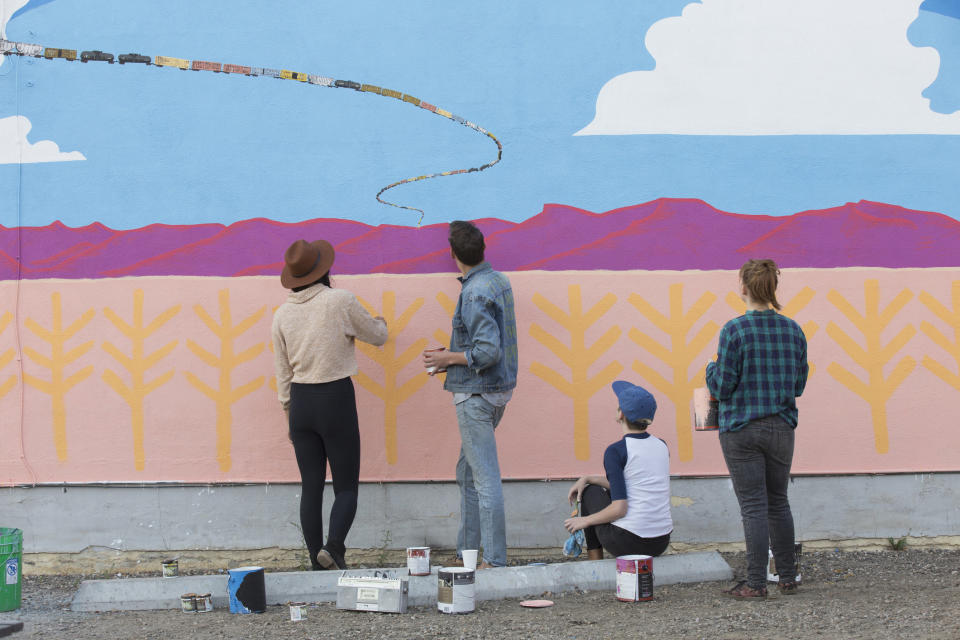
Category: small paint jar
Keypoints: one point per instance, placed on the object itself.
(298, 611)
(169, 569)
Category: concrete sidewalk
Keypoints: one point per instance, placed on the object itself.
(321, 586)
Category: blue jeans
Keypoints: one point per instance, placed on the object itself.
(482, 521)
(759, 457)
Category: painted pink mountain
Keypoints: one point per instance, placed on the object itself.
(665, 234)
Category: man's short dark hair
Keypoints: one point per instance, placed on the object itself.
(467, 242)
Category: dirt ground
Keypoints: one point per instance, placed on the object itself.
(875, 595)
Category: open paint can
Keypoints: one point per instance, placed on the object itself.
(298, 611)
(772, 575)
(418, 561)
(634, 578)
(246, 589)
(456, 590)
(706, 410)
(203, 603)
(188, 602)
(169, 569)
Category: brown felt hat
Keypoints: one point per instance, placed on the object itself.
(306, 262)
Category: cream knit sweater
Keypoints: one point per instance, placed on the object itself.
(313, 334)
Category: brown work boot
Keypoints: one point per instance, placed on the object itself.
(743, 590)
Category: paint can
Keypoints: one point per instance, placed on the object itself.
(418, 561)
(246, 589)
(706, 410)
(188, 602)
(456, 590)
(298, 611)
(434, 370)
(204, 603)
(634, 578)
(169, 569)
(772, 575)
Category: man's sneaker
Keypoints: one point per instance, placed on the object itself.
(788, 588)
(743, 590)
(330, 559)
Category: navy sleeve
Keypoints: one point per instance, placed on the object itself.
(614, 460)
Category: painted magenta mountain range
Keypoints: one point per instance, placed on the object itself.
(665, 234)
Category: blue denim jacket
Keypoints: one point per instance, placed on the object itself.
(485, 330)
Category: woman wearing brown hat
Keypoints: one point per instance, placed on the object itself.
(313, 336)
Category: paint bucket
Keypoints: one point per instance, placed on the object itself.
(169, 568)
(772, 575)
(418, 561)
(634, 578)
(188, 602)
(298, 611)
(246, 589)
(706, 410)
(456, 590)
(204, 603)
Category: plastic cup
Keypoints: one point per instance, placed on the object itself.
(470, 559)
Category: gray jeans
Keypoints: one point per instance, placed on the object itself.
(759, 457)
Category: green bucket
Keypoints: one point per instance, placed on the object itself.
(11, 560)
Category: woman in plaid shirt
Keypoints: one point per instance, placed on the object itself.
(760, 370)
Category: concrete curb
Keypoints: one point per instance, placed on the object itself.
(321, 586)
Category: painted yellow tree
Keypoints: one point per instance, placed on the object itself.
(392, 392)
(6, 357)
(951, 317)
(678, 356)
(872, 357)
(137, 364)
(578, 357)
(790, 309)
(225, 395)
(58, 361)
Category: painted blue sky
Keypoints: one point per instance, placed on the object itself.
(178, 147)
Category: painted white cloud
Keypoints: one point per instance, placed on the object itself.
(775, 67)
(15, 148)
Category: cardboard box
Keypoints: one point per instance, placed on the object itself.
(386, 595)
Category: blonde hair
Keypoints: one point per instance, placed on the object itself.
(761, 278)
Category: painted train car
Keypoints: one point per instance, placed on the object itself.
(371, 88)
(167, 61)
(133, 58)
(203, 65)
(97, 55)
(414, 101)
(322, 81)
(390, 93)
(27, 49)
(293, 75)
(347, 84)
(67, 54)
(8, 48)
(428, 106)
(236, 68)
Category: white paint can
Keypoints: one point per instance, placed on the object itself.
(298, 611)
(170, 568)
(418, 561)
(634, 578)
(456, 590)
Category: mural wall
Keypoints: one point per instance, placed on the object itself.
(156, 159)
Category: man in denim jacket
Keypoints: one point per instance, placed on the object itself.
(481, 367)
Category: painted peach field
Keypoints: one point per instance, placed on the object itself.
(171, 378)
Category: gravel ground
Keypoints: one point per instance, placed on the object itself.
(875, 595)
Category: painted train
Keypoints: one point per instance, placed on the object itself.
(8, 47)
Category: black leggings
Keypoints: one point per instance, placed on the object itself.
(323, 426)
(617, 541)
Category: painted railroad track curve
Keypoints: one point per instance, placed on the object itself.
(10, 48)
